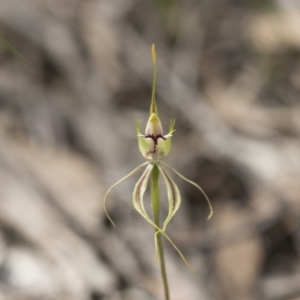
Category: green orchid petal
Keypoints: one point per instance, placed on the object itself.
(114, 185)
(138, 203)
(173, 195)
(145, 145)
(164, 146)
(194, 184)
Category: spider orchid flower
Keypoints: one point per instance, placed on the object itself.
(155, 145)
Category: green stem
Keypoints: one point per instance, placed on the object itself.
(155, 201)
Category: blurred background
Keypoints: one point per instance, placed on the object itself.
(74, 77)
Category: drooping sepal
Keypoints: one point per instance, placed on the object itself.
(138, 193)
(173, 195)
(114, 185)
(195, 185)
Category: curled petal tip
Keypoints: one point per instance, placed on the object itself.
(210, 215)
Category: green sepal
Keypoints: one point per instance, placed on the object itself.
(138, 193)
(114, 185)
(195, 185)
(174, 197)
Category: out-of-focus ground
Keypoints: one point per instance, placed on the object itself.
(228, 71)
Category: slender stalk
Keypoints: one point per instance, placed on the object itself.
(155, 201)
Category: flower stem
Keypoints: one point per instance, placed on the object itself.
(155, 201)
